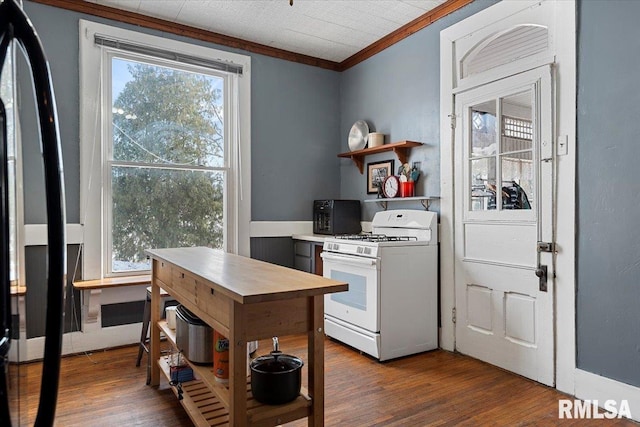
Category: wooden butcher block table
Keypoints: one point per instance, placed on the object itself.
(245, 300)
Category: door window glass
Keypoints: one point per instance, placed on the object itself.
(509, 156)
(516, 151)
(484, 143)
(483, 129)
(483, 186)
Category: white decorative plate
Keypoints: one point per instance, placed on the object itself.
(358, 135)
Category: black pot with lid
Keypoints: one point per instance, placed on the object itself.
(276, 378)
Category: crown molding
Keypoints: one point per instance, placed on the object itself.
(403, 32)
(186, 31)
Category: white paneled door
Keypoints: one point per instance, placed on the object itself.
(504, 216)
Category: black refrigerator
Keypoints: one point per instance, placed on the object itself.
(16, 30)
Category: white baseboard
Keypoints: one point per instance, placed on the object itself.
(596, 387)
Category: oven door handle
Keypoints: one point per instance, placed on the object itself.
(345, 259)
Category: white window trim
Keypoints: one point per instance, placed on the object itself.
(19, 191)
(237, 199)
(20, 225)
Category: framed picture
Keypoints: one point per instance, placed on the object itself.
(376, 174)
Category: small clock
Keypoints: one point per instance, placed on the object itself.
(391, 186)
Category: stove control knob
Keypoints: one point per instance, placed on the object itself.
(359, 250)
(367, 251)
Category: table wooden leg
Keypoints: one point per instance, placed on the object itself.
(237, 366)
(316, 360)
(154, 350)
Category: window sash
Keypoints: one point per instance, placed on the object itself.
(166, 166)
(109, 55)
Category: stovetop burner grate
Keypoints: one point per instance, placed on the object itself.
(369, 237)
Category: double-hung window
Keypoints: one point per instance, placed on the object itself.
(166, 151)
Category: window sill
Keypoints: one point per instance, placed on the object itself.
(18, 290)
(113, 282)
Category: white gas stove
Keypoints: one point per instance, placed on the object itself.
(389, 229)
(390, 309)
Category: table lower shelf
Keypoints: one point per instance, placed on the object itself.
(207, 400)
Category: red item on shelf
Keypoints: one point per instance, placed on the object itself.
(407, 189)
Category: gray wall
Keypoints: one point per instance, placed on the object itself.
(61, 60)
(294, 139)
(398, 93)
(608, 243)
(294, 125)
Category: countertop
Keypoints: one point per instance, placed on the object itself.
(246, 280)
(318, 238)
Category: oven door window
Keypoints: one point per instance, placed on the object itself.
(358, 305)
(356, 296)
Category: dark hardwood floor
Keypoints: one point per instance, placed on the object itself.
(435, 388)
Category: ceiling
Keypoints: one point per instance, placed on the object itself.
(332, 30)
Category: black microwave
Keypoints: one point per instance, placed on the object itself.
(336, 217)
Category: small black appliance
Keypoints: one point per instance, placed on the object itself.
(336, 217)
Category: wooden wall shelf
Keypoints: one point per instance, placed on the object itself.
(400, 148)
(424, 200)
